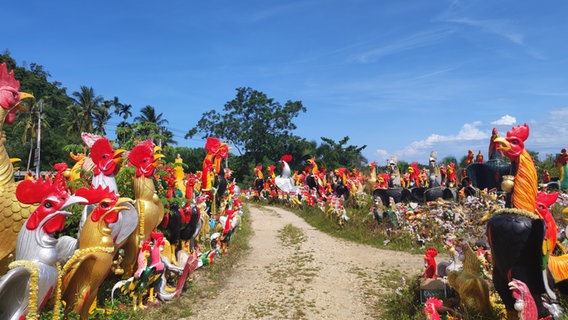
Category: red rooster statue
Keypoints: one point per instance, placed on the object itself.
(524, 302)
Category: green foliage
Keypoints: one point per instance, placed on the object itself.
(338, 154)
(254, 125)
(124, 181)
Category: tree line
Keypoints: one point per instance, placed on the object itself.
(259, 129)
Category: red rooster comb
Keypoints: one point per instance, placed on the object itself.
(212, 145)
(34, 191)
(431, 252)
(7, 79)
(94, 195)
(286, 158)
(141, 150)
(521, 132)
(100, 147)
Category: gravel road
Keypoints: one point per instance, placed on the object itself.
(294, 271)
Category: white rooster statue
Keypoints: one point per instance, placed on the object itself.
(284, 181)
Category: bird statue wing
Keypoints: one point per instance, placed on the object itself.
(471, 263)
(13, 290)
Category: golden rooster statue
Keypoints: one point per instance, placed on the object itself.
(85, 271)
(146, 201)
(13, 213)
(471, 286)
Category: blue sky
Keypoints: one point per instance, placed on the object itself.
(402, 77)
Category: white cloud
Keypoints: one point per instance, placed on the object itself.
(418, 40)
(505, 120)
(500, 28)
(383, 155)
(469, 132)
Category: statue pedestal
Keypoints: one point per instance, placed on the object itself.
(438, 288)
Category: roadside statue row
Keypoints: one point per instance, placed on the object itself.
(152, 247)
(522, 272)
(512, 259)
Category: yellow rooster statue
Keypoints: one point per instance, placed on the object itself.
(470, 284)
(146, 201)
(12, 212)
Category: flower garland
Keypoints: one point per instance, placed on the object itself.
(33, 268)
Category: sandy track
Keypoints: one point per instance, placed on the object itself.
(313, 277)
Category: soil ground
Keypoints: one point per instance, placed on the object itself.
(294, 271)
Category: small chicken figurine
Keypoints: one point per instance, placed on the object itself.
(430, 263)
(146, 201)
(524, 302)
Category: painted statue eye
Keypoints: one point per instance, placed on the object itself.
(47, 204)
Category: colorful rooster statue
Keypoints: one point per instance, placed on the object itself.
(85, 271)
(489, 174)
(517, 234)
(524, 301)
(32, 278)
(213, 180)
(150, 209)
(431, 307)
(561, 163)
(104, 161)
(430, 263)
(258, 181)
(284, 181)
(12, 212)
(150, 268)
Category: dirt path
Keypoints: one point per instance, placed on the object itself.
(296, 272)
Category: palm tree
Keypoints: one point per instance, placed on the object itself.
(148, 115)
(125, 111)
(86, 104)
(101, 116)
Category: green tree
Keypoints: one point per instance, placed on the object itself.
(339, 154)
(253, 124)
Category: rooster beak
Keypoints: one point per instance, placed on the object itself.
(74, 200)
(14, 160)
(122, 200)
(502, 144)
(157, 157)
(24, 95)
(117, 155)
